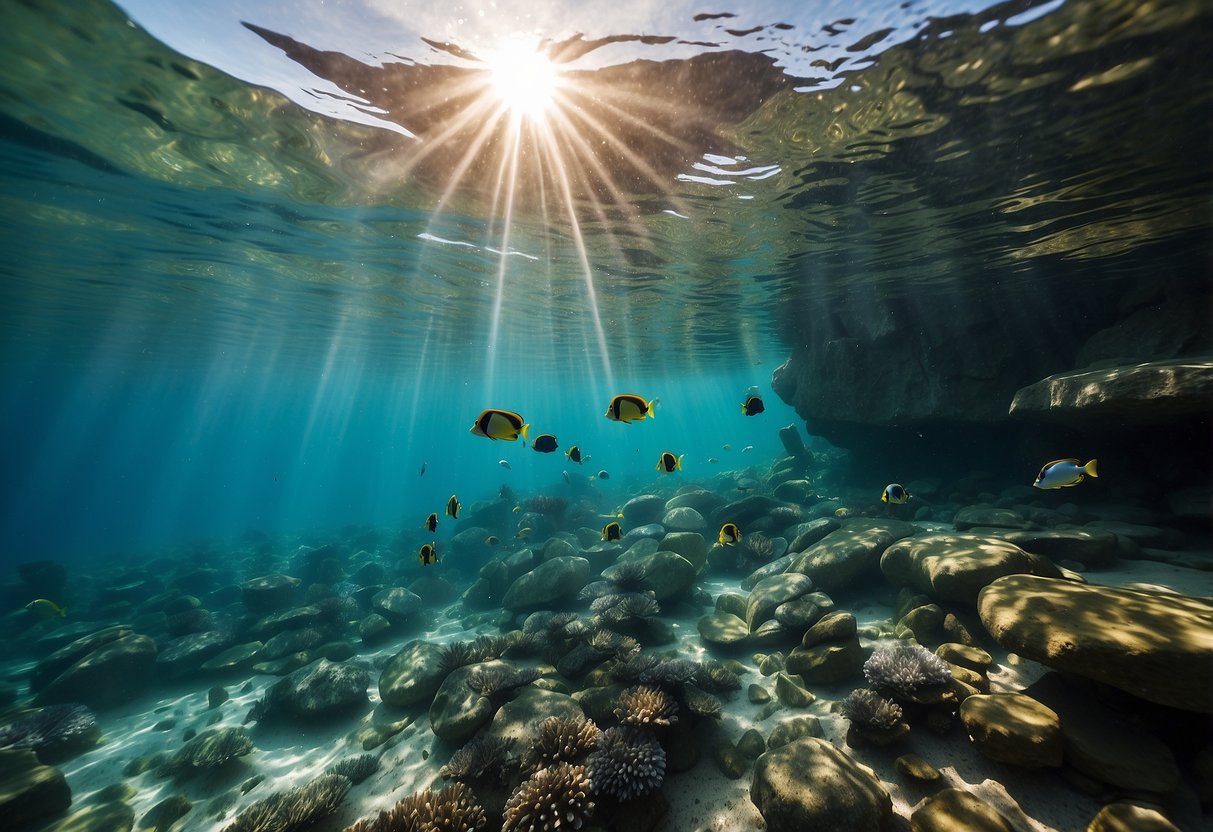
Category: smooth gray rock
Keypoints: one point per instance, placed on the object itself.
(552, 582)
(810, 784)
(320, 688)
(413, 675)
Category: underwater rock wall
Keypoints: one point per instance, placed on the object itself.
(887, 377)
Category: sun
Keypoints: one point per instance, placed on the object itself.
(522, 79)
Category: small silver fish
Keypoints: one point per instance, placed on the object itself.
(566, 476)
(422, 474)
(713, 460)
(747, 449)
(603, 475)
(504, 463)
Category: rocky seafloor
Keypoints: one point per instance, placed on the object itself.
(979, 658)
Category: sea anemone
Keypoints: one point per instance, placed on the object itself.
(668, 674)
(902, 669)
(561, 739)
(606, 641)
(356, 768)
(481, 756)
(557, 797)
(755, 547)
(500, 682)
(630, 670)
(577, 661)
(209, 749)
(700, 702)
(869, 709)
(629, 576)
(717, 677)
(295, 809)
(628, 608)
(457, 654)
(595, 590)
(53, 730)
(627, 764)
(453, 809)
(647, 707)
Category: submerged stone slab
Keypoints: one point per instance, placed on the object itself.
(1153, 645)
(843, 556)
(810, 784)
(955, 567)
(1149, 392)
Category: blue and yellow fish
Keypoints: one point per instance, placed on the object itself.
(1063, 473)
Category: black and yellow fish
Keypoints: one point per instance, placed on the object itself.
(428, 554)
(894, 494)
(669, 463)
(525, 533)
(752, 406)
(730, 535)
(545, 443)
(611, 531)
(452, 507)
(431, 522)
(574, 454)
(500, 424)
(628, 407)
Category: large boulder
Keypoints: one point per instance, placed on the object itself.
(413, 675)
(810, 784)
(665, 573)
(1153, 645)
(519, 719)
(1106, 745)
(770, 592)
(397, 605)
(954, 810)
(842, 557)
(268, 593)
(955, 567)
(29, 791)
(690, 545)
(683, 519)
(1013, 728)
(551, 582)
(113, 673)
(1091, 547)
(643, 510)
(320, 688)
(457, 711)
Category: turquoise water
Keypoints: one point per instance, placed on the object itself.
(237, 295)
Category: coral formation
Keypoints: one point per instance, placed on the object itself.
(625, 608)
(646, 706)
(295, 809)
(452, 809)
(481, 756)
(557, 797)
(628, 763)
(630, 670)
(903, 669)
(356, 768)
(560, 739)
(208, 750)
(52, 731)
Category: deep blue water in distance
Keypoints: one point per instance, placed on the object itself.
(138, 462)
